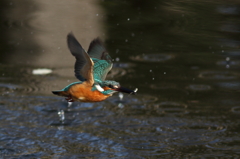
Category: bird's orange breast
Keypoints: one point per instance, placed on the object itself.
(83, 92)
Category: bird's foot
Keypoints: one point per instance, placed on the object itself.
(69, 99)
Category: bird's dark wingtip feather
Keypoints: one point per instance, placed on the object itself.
(73, 45)
(94, 42)
(70, 37)
(70, 33)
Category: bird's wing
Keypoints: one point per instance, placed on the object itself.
(102, 60)
(101, 69)
(96, 49)
(84, 64)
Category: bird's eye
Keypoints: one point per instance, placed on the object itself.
(110, 86)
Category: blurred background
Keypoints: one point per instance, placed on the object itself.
(182, 55)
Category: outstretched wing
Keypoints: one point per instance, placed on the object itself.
(102, 60)
(101, 69)
(83, 65)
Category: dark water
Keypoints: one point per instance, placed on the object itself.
(183, 56)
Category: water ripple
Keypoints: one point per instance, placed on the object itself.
(9, 86)
(222, 75)
(131, 99)
(234, 85)
(230, 63)
(123, 65)
(236, 109)
(199, 87)
(153, 57)
(171, 107)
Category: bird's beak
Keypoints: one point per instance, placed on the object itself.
(126, 90)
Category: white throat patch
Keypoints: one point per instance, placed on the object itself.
(99, 88)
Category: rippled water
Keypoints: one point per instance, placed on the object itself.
(182, 56)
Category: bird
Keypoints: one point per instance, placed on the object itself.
(91, 69)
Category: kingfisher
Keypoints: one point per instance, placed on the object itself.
(91, 69)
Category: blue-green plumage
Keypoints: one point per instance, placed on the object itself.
(101, 59)
(102, 63)
(100, 69)
(68, 86)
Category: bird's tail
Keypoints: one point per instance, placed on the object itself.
(60, 93)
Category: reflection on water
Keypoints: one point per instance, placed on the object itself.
(183, 56)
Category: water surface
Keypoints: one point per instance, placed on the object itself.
(182, 56)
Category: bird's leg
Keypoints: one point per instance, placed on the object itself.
(69, 99)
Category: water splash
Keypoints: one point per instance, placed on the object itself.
(120, 104)
(61, 116)
(70, 104)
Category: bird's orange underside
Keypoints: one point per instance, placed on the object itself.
(83, 92)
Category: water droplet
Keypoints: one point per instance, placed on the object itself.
(61, 116)
(128, 19)
(120, 105)
(120, 95)
(69, 104)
